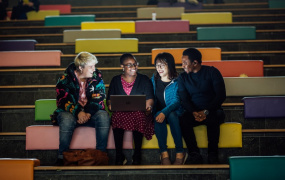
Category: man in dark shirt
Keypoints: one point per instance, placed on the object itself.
(202, 92)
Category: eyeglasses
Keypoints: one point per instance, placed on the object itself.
(131, 65)
(161, 66)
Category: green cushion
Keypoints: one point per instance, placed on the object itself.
(257, 167)
(276, 3)
(226, 33)
(44, 108)
(68, 20)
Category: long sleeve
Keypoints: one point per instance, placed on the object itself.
(219, 89)
(184, 95)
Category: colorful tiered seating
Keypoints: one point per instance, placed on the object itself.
(257, 167)
(40, 15)
(124, 26)
(18, 168)
(30, 58)
(68, 20)
(161, 12)
(106, 45)
(230, 137)
(208, 17)
(236, 68)
(162, 26)
(255, 86)
(208, 54)
(226, 33)
(63, 8)
(69, 36)
(264, 107)
(17, 45)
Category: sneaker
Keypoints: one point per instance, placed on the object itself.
(121, 160)
(165, 161)
(213, 158)
(195, 158)
(181, 161)
(59, 162)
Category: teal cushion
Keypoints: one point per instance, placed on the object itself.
(276, 3)
(44, 108)
(226, 33)
(68, 20)
(257, 167)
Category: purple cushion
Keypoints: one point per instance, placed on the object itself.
(162, 26)
(17, 45)
(264, 107)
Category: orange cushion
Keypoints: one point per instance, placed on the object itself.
(238, 68)
(29, 58)
(63, 8)
(16, 168)
(208, 54)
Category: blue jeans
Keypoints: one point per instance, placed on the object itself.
(161, 133)
(67, 123)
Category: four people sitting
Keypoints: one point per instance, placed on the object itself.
(183, 101)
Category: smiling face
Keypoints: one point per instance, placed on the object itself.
(130, 67)
(162, 69)
(88, 70)
(187, 65)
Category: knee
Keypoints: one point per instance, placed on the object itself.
(173, 118)
(66, 119)
(103, 118)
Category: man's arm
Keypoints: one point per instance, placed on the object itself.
(184, 95)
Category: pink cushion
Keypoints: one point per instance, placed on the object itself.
(29, 58)
(63, 8)
(46, 137)
(162, 26)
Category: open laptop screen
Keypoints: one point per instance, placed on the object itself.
(128, 102)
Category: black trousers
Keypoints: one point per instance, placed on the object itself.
(213, 121)
(119, 136)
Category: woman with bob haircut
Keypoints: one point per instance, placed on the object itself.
(80, 95)
(167, 107)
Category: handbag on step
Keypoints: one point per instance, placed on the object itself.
(85, 157)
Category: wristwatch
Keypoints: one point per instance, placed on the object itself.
(206, 112)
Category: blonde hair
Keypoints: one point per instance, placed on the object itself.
(83, 58)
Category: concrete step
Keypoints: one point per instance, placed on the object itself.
(191, 35)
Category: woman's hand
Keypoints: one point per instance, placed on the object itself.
(160, 118)
(83, 117)
(148, 110)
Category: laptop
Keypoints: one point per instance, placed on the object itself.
(128, 103)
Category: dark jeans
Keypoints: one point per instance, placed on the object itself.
(67, 124)
(213, 121)
(161, 133)
(19, 12)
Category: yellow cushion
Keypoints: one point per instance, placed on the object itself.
(40, 15)
(230, 137)
(106, 45)
(124, 26)
(207, 18)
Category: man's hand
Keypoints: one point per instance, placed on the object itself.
(199, 116)
(83, 117)
(160, 118)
